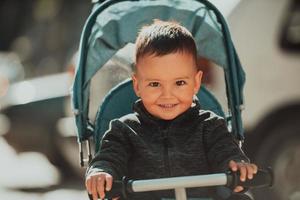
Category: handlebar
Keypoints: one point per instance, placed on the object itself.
(263, 178)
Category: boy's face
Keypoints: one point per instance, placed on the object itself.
(166, 84)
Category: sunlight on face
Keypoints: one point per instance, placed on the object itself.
(166, 84)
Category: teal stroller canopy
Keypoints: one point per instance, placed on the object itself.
(113, 24)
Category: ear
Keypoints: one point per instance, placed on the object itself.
(135, 85)
(198, 78)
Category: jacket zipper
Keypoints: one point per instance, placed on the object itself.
(166, 153)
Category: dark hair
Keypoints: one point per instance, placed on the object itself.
(164, 37)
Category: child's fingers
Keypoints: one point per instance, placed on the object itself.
(243, 172)
(233, 165)
(108, 182)
(255, 168)
(250, 171)
(94, 188)
(88, 185)
(100, 186)
(238, 189)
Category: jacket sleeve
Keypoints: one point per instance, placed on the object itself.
(114, 152)
(220, 145)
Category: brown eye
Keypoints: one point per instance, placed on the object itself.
(154, 84)
(180, 82)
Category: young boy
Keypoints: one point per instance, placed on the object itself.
(168, 134)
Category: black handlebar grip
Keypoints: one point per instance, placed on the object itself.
(263, 178)
(116, 190)
(119, 189)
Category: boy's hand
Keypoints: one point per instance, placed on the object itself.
(96, 184)
(247, 170)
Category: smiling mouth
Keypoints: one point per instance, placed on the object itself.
(167, 106)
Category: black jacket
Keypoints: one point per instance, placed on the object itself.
(141, 146)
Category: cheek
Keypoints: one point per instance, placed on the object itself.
(186, 96)
(186, 92)
(187, 99)
(149, 96)
(149, 101)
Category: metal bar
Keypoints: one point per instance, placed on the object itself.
(82, 159)
(180, 194)
(80, 155)
(179, 182)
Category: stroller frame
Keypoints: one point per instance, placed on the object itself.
(233, 72)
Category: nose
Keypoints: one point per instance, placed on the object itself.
(166, 92)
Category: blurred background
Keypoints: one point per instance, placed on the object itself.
(38, 44)
(38, 40)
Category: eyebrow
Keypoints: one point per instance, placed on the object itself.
(179, 78)
(185, 77)
(149, 79)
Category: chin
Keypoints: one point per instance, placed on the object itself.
(168, 117)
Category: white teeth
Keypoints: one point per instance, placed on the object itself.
(167, 105)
